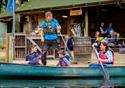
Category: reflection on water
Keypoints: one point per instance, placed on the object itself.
(61, 83)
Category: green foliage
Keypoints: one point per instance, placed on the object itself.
(3, 46)
(2, 60)
(3, 6)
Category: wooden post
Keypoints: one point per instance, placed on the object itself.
(7, 48)
(13, 31)
(13, 27)
(27, 26)
(11, 48)
(17, 23)
(69, 26)
(86, 24)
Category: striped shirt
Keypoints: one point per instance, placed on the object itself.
(109, 55)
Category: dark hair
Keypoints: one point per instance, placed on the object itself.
(105, 44)
(33, 46)
(61, 52)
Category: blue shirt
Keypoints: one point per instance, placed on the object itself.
(109, 30)
(101, 28)
(54, 25)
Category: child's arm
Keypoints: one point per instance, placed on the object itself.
(27, 58)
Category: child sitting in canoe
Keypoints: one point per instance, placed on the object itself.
(64, 60)
(105, 55)
(33, 57)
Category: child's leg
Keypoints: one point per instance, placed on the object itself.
(39, 62)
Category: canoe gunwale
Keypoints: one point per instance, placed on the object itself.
(24, 70)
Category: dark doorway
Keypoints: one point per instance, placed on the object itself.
(9, 27)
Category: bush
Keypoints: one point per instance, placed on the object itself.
(2, 46)
(2, 59)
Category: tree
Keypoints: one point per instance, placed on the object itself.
(0, 5)
(3, 4)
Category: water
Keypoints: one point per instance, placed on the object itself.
(61, 83)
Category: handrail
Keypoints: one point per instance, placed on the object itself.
(113, 38)
(31, 40)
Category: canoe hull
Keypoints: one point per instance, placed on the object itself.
(17, 70)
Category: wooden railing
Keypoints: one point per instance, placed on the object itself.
(117, 46)
(37, 41)
(31, 39)
(23, 44)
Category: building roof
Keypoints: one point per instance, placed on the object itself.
(51, 4)
(4, 15)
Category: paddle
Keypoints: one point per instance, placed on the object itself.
(66, 47)
(106, 75)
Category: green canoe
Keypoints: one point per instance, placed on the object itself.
(18, 70)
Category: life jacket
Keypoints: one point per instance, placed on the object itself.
(104, 57)
(30, 57)
(48, 27)
(99, 39)
(62, 63)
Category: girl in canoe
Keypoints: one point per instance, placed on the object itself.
(106, 56)
(33, 57)
(64, 60)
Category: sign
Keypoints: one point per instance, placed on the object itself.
(75, 12)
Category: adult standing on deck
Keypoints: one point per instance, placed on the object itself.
(50, 28)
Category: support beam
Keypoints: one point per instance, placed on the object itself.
(13, 29)
(13, 26)
(86, 24)
(31, 40)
